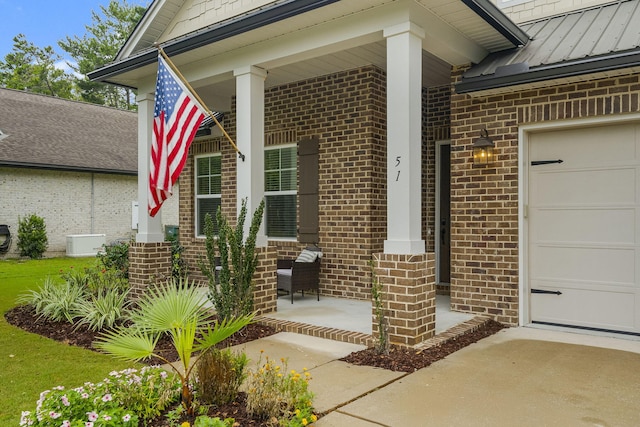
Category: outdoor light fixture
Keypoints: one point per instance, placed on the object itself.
(483, 149)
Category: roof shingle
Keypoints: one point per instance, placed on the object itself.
(53, 133)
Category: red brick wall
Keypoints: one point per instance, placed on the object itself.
(435, 127)
(347, 111)
(484, 201)
(149, 263)
(408, 296)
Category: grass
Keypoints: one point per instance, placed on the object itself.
(30, 363)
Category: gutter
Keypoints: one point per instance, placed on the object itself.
(498, 20)
(548, 72)
(217, 32)
(66, 168)
(275, 13)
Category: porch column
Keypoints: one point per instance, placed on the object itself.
(250, 141)
(404, 139)
(250, 177)
(149, 255)
(149, 229)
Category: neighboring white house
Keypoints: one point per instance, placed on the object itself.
(72, 163)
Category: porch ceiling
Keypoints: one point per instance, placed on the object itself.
(320, 38)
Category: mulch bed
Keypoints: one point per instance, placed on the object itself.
(404, 359)
(399, 358)
(80, 336)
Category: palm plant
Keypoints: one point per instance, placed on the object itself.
(177, 309)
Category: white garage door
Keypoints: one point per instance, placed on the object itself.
(584, 227)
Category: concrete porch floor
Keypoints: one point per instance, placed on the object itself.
(351, 315)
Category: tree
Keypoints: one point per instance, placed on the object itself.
(178, 309)
(99, 46)
(31, 68)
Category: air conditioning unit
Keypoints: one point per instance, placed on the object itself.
(80, 245)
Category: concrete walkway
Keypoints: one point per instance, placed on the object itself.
(518, 377)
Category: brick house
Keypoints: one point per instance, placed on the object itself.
(72, 163)
(393, 95)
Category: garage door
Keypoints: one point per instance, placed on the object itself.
(584, 227)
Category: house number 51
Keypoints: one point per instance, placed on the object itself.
(397, 166)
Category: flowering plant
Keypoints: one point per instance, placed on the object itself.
(272, 392)
(120, 400)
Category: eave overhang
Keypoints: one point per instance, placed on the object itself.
(271, 14)
(65, 168)
(214, 33)
(498, 20)
(617, 61)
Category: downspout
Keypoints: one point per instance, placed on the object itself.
(93, 202)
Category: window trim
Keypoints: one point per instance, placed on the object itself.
(282, 193)
(196, 196)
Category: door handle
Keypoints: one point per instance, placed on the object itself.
(544, 291)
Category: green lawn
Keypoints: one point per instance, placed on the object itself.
(30, 363)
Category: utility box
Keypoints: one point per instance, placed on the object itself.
(171, 232)
(83, 245)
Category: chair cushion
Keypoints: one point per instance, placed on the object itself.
(307, 256)
(284, 271)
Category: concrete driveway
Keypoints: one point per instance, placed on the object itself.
(518, 377)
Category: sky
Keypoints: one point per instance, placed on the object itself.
(44, 22)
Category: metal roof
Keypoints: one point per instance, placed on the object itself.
(52, 133)
(594, 39)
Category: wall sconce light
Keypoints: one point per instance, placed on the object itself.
(483, 149)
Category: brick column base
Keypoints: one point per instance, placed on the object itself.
(408, 283)
(265, 294)
(148, 263)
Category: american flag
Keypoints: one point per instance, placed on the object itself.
(176, 119)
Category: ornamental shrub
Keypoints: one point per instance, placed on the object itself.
(55, 301)
(93, 297)
(116, 257)
(32, 236)
(179, 266)
(272, 392)
(124, 399)
(232, 291)
(219, 375)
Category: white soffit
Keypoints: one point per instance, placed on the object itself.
(343, 35)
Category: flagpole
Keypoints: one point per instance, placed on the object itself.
(175, 69)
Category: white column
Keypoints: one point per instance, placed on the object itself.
(250, 141)
(404, 139)
(149, 229)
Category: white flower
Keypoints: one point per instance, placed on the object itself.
(25, 419)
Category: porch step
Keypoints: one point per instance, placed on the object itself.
(365, 339)
(335, 334)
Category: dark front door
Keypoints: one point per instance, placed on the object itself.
(444, 218)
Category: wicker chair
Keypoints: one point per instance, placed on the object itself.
(294, 275)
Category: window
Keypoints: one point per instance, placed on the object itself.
(280, 172)
(208, 189)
